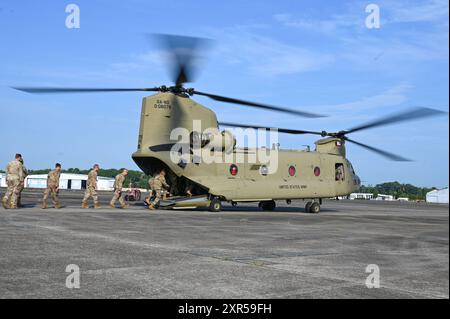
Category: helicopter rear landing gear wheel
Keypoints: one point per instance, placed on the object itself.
(267, 205)
(215, 205)
(307, 207)
(314, 208)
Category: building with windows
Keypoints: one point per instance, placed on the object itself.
(69, 181)
(385, 197)
(366, 196)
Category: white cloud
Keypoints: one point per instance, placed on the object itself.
(432, 11)
(358, 110)
(268, 57)
(391, 97)
(332, 24)
(392, 53)
(417, 11)
(391, 46)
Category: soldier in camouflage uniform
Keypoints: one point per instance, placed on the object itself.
(339, 172)
(52, 187)
(14, 176)
(118, 184)
(160, 187)
(148, 199)
(22, 184)
(91, 189)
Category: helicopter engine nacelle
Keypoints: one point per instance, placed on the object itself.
(331, 145)
(223, 141)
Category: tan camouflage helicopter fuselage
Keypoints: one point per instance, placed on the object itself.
(322, 173)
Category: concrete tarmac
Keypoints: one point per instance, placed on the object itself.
(240, 252)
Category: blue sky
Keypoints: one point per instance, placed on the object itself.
(313, 55)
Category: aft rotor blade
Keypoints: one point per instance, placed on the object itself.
(391, 156)
(281, 130)
(185, 53)
(80, 90)
(411, 114)
(258, 105)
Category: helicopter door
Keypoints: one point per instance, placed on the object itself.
(339, 172)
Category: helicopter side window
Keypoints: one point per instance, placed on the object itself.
(339, 170)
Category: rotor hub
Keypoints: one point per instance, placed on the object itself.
(177, 89)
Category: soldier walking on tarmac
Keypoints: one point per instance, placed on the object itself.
(118, 184)
(91, 189)
(21, 184)
(14, 176)
(52, 187)
(160, 187)
(150, 197)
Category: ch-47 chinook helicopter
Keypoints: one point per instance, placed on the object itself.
(300, 174)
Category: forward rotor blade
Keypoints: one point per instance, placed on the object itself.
(185, 53)
(281, 130)
(258, 105)
(411, 114)
(44, 90)
(388, 155)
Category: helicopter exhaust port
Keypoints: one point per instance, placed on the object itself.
(215, 140)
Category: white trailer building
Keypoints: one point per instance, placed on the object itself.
(366, 196)
(439, 196)
(385, 197)
(69, 181)
(2, 180)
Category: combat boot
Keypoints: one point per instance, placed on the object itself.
(151, 207)
(5, 204)
(125, 206)
(44, 206)
(96, 205)
(84, 204)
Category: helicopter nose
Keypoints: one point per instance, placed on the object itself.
(358, 183)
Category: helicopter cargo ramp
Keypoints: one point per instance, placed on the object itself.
(240, 252)
(185, 202)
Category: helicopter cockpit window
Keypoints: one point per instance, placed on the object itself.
(340, 174)
(351, 169)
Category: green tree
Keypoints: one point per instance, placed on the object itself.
(397, 190)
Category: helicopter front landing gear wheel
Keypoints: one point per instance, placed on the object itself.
(215, 205)
(267, 205)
